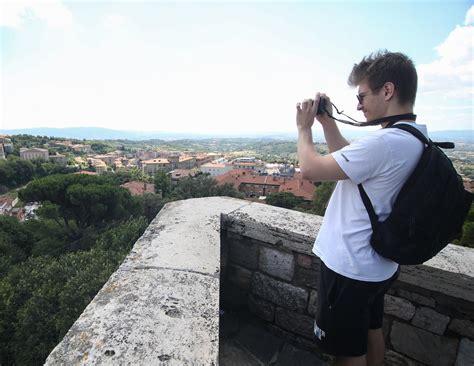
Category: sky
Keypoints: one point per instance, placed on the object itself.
(221, 67)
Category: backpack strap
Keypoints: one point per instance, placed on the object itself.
(415, 132)
(374, 219)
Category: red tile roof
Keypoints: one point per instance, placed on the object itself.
(139, 188)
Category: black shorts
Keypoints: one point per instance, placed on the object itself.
(346, 310)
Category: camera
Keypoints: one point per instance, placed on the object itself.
(321, 106)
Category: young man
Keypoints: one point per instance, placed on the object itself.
(354, 278)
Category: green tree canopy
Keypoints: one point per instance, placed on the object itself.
(77, 202)
(162, 183)
(283, 199)
(321, 197)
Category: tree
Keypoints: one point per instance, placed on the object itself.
(283, 199)
(77, 202)
(162, 183)
(321, 197)
(201, 186)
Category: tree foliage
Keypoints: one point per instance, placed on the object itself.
(202, 186)
(283, 199)
(162, 183)
(321, 197)
(77, 202)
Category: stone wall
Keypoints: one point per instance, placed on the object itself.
(269, 269)
(161, 307)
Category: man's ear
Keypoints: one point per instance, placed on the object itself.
(389, 90)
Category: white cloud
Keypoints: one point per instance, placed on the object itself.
(451, 73)
(14, 14)
(469, 16)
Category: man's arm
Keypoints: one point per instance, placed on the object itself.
(314, 166)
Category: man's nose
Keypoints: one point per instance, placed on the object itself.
(359, 106)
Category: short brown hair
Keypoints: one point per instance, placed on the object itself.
(383, 66)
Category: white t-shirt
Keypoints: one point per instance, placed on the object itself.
(381, 161)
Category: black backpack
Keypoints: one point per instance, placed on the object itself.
(429, 211)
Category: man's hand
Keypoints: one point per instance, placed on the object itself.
(306, 112)
(323, 117)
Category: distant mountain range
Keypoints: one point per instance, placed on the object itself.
(97, 133)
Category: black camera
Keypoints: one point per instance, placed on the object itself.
(321, 106)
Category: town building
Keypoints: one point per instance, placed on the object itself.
(82, 148)
(34, 153)
(216, 169)
(137, 188)
(178, 174)
(152, 166)
(58, 159)
(254, 185)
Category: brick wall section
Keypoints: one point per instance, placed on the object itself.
(429, 311)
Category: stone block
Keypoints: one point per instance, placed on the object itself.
(398, 307)
(279, 293)
(296, 323)
(262, 344)
(422, 345)
(306, 277)
(277, 263)
(232, 354)
(244, 254)
(416, 298)
(462, 327)
(393, 358)
(290, 356)
(465, 353)
(313, 303)
(239, 276)
(304, 260)
(431, 320)
(261, 308)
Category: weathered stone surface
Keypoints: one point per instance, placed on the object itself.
(261, 308)
(306, 277)
(431, 320)
(455, 285)
(304, 260)
(262, 344)
(462, 327)
(422, 345)
(244, 254)
(135, 309)
(163, 301)
(398, 307)
(277, 263)
(279, 293)
(239, 276)
(296, 323)
(313, 302)
(465, 353)
(393, 358)
(274, 225)
(232, 354)
(291, 356)
(454, 259)
(416, 298)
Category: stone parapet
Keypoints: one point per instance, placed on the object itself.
(162, 305)
(429, 311)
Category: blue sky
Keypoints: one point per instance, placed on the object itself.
(221, 67)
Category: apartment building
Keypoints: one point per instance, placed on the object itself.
(34, 153)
